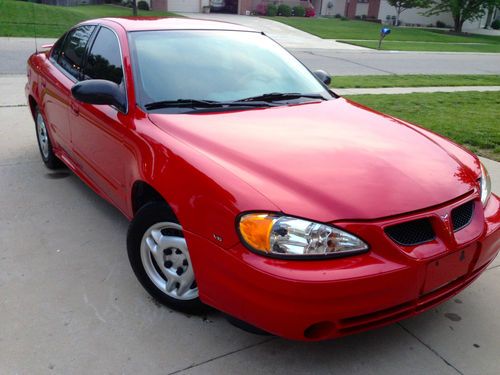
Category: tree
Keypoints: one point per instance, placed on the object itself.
(402, 5)
(134, 8)
(491, 9)
(461, 10)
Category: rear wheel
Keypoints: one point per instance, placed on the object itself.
(44, 144)
(160, 258)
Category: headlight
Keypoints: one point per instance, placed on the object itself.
(288, 236)
(485, 185)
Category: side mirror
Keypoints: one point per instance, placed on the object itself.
(99, 91)
(323, 77)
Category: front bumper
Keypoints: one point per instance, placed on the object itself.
(321, 299)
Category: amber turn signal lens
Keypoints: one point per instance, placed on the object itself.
(256, 229)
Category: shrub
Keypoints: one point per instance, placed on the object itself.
(261, 9)
(284, 10)
(299, 11)
(272, 10)
(310, 12)
(440, 24)
(338, 15)
(495, 24)
(142, 5)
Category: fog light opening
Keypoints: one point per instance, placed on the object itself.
(319, 330)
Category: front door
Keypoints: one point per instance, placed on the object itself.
(97, 131)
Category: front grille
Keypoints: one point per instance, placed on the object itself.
(411, 233)
(461, 216)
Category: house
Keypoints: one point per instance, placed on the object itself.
(364, 9)
(383, 11)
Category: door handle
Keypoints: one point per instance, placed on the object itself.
(74, 108)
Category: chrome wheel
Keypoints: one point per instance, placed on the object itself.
(165, 257)
(43, 138)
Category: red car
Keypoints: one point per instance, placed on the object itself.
(253, 188)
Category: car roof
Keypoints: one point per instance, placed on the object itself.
(172, 23)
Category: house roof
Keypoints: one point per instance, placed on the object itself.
(157, 23)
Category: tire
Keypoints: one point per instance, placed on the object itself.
(50, 160)
(160, 258)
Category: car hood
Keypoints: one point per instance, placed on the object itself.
(327, 161)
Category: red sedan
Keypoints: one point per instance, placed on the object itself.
(253, 188)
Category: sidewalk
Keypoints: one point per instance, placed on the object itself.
(409, 90)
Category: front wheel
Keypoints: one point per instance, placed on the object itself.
(160, 258)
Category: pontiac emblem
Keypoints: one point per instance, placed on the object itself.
(446, 222)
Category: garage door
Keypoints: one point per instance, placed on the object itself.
(184, 6)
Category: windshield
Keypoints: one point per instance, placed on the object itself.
(215, 66)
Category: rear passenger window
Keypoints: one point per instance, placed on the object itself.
(56, 50)
(104, 60)
(73, 49)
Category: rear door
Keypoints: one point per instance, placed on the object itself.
(62, 73)
(97, 131)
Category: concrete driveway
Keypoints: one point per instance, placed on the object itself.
(70, 304)
(287, 36)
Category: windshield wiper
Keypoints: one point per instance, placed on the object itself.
(195, 103)
(272, 96)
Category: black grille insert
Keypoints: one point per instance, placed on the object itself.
(411, 233)
(461, 216)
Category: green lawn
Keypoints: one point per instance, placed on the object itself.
(415, 80)
(469, 118)
(18, 18)
(366, 34)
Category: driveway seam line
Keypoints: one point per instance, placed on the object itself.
(491, 268)
(430, 348)
(222, 356)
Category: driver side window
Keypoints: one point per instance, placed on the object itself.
(104, 60)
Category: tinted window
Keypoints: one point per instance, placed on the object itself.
(56, 50)
(104, 60)
(74, 48)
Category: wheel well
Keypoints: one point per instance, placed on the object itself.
(33, 105)
(143, 193)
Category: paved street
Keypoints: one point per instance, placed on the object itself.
(341, 62)
(15, 51)
(70, 304)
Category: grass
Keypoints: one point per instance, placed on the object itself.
(366, 34)
(19, 18)
(415, 80)
(468, 118)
